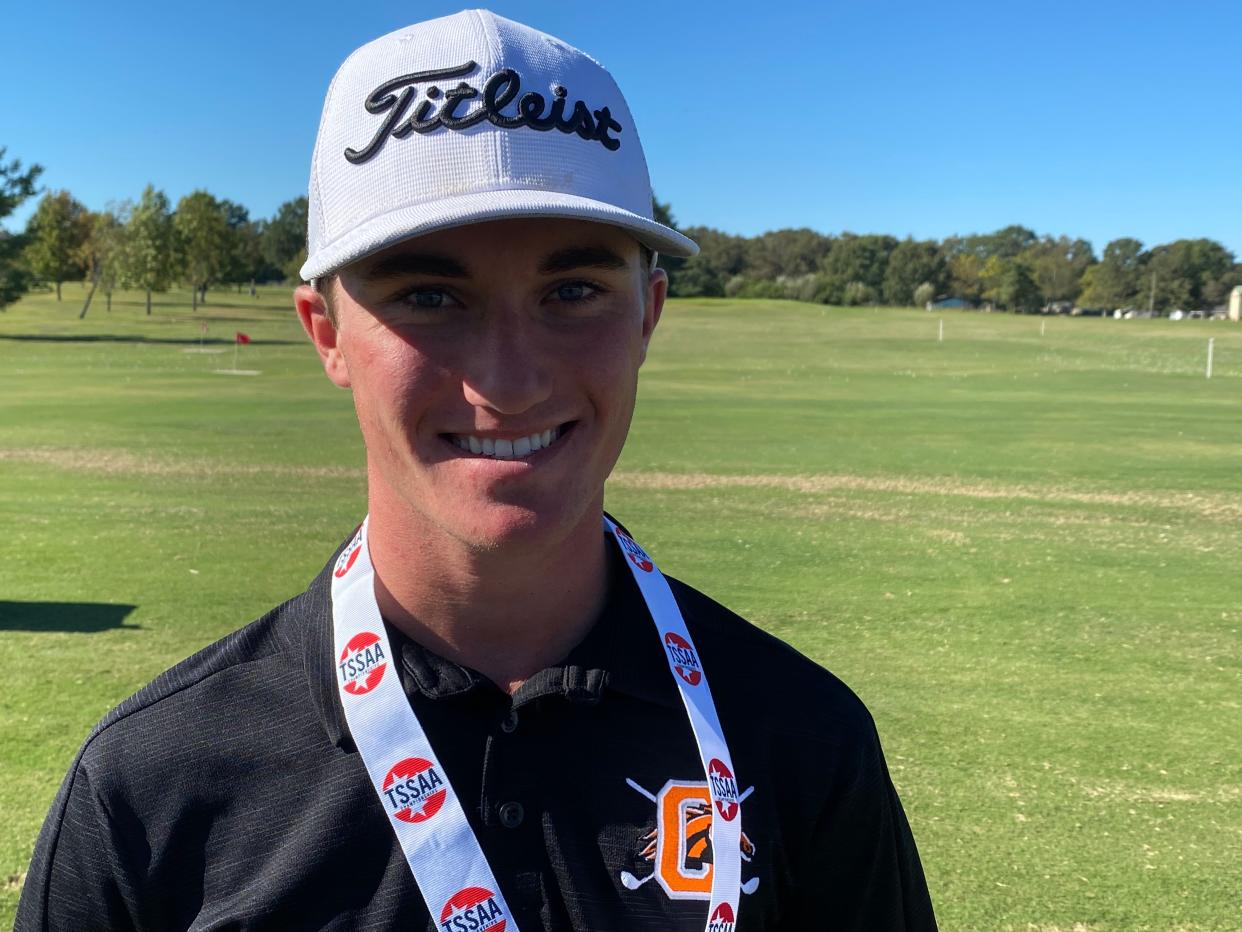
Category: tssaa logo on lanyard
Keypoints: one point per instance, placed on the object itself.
(425, 813)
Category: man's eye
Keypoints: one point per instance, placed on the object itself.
(427, 298)
(575, 291)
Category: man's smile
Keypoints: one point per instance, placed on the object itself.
(503, 445)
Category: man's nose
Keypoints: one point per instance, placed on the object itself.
(507, 369)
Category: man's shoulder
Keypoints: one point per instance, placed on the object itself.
(232, 683)
(771, 681)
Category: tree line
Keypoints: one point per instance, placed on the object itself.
(1012, 269)
(203, 242)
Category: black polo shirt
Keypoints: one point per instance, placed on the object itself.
(228, 794)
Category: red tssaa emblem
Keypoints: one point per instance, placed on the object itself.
(685, 661)
(362, 663)
(724, 789)
(636, 554)
(414, 791)
(348, 558)
(722, 919)
(473, 909)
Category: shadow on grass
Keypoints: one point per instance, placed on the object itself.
(79, 617)
(134, 338)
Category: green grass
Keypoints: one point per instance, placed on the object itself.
(1022, 551)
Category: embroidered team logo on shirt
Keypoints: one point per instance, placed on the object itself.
(414, 790)
(679, 849)
(472, 909)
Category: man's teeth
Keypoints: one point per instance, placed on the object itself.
(507, 449)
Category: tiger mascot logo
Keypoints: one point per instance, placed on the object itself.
(679, 848)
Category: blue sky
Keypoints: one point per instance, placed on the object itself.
(1094, 119)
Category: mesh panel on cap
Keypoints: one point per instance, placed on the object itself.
(393, 188)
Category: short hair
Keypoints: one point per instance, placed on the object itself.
(323, 284)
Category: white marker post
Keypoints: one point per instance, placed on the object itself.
(1211, 346)
(941, 330)
(1042, 324)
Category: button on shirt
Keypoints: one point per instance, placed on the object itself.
(228, 793)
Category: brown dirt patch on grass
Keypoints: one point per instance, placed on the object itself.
(122, 463)
(1219, 506)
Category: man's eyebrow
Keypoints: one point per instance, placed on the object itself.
(402, 264)
(581, 257)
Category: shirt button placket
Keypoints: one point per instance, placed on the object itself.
(510, 723)
(511, 814)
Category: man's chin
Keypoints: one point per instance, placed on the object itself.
(496, 526)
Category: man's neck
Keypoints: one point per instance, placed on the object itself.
(506, 612)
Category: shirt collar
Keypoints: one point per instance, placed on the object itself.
(620, 655)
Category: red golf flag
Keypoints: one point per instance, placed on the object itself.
(242, 338)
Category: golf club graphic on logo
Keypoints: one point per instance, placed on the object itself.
(636, 554)
(414, 791)
(362, 663)
(685, 661)
(722, 919)
(348, 557)
(724, 789)
(679, 848)
(472, 909)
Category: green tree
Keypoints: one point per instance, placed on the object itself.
(1217, 288)
(202, 227)
(1006, 243)
(721, 257)
(55, 236)
(856, 293)
(1115, 281)
(284, 237)
(1016, 289)
(149, 260)
(785, 253)
(101, 255)
(911, 265)
(663, 212)
(16, 185)
(244, 262)
(1057, 266)
(1189, 273)
(965, 270)
(856, 260)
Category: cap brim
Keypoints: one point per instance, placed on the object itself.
(404, 223)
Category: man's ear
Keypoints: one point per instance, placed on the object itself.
(653, 307)
(313, 312)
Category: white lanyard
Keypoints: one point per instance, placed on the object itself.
(448, 864)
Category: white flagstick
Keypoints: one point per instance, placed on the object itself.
(942, 330)
(1042, 324)
(1211, 346)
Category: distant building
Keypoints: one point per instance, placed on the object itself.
(949, 304)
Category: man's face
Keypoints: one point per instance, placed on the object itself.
(494, 370)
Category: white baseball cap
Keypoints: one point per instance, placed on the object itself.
(467, 118)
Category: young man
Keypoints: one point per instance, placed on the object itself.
(490, 711)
